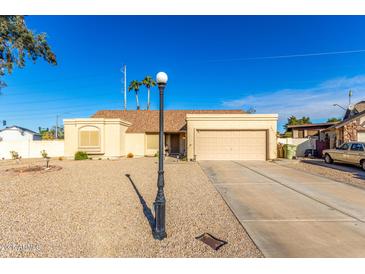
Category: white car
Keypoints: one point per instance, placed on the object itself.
(351, 153)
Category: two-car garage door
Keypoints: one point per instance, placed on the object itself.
(231, 145)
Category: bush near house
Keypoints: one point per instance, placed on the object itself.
(45, 156)
(81, 155)
(14, 155)
(130, 155)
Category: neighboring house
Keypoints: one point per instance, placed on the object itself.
(356, 109)
(309, 130)
(350, 129)
(15, 133)
(197, 134)
(27, 144)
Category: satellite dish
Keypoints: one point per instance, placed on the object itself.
(351, 107)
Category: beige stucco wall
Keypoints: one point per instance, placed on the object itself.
(112, 136)
(232, 121)
(135, 143)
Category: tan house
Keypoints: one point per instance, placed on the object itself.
(197, 134)
(309, 130)
(351, 128)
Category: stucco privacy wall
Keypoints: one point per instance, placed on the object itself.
(111, 136)
(266, 122)
(302, 144)
(31, 149)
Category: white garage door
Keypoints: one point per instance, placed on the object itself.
(231, 145)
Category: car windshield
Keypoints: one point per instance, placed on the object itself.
(344, 147)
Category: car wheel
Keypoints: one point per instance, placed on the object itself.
(328, 159)
(363, 165)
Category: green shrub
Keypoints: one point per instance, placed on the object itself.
(81, 155)
(14, 155)
(44, 154)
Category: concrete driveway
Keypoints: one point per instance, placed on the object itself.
(290, 213)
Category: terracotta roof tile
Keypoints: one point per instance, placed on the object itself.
(148, 120)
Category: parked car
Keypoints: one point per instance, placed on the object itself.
(351, 153)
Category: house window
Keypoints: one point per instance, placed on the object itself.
(300, 133)
(89, 137)
(152, 141)
(312, 132)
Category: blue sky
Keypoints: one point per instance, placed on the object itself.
(212, 63)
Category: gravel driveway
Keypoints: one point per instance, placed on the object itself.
(91, 209)
(344, 173)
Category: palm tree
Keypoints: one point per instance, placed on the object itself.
(148, 82)
(135, 85)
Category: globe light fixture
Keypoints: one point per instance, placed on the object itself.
(161, 78)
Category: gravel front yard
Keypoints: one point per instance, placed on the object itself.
(339, 172)
(91, 209)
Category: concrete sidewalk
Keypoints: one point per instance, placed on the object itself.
(290, 213)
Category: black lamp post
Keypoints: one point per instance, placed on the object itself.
(159, 231)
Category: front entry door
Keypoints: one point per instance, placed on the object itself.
(175, 143)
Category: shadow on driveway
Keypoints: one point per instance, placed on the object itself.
(146, 210)
(354, 170)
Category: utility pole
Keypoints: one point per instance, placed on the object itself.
(350, 95)
(124, 81)
(58, 116)
(56, 133)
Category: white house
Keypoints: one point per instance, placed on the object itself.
(15, 133)
(27, 143)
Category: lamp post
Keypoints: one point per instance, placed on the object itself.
(337, 105)
(159, 231)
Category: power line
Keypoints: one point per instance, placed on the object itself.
(10, 92)
(45, 115)
(48, 100)
(80, 76)
(288, 56)
(67, 108)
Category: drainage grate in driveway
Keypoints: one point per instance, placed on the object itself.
(210, 240)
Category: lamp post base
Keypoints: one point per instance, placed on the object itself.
(159, 235)
(159, 232)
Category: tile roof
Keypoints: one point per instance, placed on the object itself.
(344, 122)
(21, 129)
(148, 120)
(314, 125)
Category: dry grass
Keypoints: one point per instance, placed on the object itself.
(91, 209)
